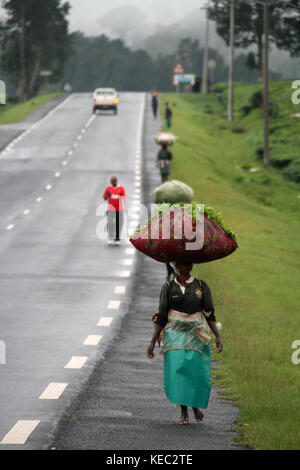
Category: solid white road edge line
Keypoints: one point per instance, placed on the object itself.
(36, 124)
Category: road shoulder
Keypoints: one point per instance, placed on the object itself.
(9, 132)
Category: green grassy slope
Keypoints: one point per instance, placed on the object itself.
(255, 290)
(284, 125)
(13, 113)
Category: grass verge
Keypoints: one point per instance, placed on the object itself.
(255, 290)
(13, 113)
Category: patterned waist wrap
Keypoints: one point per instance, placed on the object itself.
(185, 331)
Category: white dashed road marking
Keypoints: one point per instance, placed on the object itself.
(20, 432)
(92, 340)
(105, 321)
(53, 391)
(124, 274)
(120, 289)
(113, 305)
(127, 262)
(90, 121)
(76, 362)
(23, 428)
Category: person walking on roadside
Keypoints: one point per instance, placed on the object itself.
(163, 158)
(168, 116)
(154, 102)
(185, 318)
(116, 196)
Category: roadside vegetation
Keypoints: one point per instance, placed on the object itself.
(13, 113)
(284, 124)
(255, 290)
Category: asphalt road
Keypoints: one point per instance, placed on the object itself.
(59, 284)
(123, 406)
(57, 279)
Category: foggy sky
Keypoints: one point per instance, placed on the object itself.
(85, 13)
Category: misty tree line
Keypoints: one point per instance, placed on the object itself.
(284, 26)
(34, 39)
(99, 61)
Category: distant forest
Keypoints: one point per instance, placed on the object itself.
(100, 61)
(38, 54)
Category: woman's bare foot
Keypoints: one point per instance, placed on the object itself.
(184, 418)
(199, 416)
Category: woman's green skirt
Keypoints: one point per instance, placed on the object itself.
(187, 377)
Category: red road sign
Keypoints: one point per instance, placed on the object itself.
(178, 69)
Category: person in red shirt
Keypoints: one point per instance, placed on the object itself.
(116, 196)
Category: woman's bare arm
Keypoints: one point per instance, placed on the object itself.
(155, 336)
(214, 329)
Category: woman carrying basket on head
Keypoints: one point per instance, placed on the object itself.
(186, 310)
(186, 313)
(164, 158)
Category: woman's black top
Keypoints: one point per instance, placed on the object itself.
(197, 298)
(164, 154)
